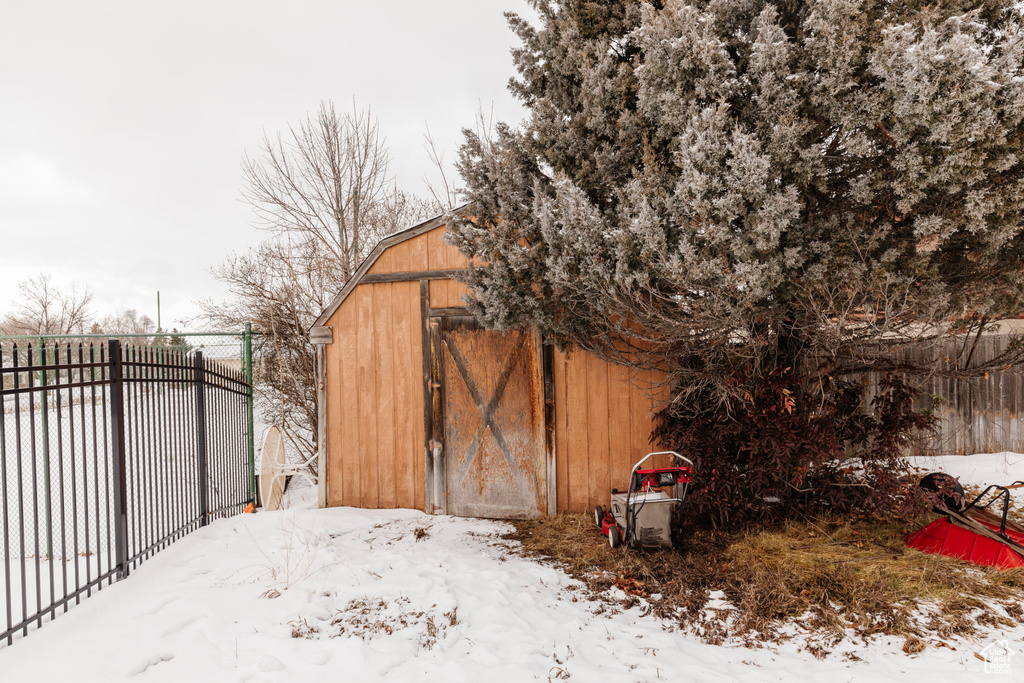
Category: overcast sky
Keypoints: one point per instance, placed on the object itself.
(122, 124)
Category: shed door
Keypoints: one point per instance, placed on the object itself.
(492, 467)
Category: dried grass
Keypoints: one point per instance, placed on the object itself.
(831, 577)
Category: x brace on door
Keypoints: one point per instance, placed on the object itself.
(487, 410)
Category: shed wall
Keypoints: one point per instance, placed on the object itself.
(375, 399)
(604, 416)
(374, 368)
(603, 413)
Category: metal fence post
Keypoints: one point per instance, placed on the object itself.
(200, 380)
(44, 415)
(247, 337)
(118, 457)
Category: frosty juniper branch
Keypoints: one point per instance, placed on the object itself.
(717, 187)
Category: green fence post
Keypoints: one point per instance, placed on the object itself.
(247, 340)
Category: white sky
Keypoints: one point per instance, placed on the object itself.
(123, 124)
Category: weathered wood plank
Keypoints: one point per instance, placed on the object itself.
(334, 416)
(321, 334)
(347, 395)
(577, 437)
(385, 382)
(437, 251)
(946, 440)
(620, 396)
(597, 428)
(429, 502)
(980, 405)
(1016, 387)
(322, 420)
(410, 276)
(405, 382)
(456, 290)
(536, 402)
(400, 258)
(437, 443)
(418, 259)
(459, 310)
(1009, 436)
(405, 387)
(437, 254)
(414, 372)
(639, 418)
(367, 387)
(997, 432)
(548, 424)
(558, 378)
(383, 264)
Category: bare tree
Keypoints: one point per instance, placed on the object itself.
(326, 181)
(444, 189)
(44, 308)
(127, 321)
(324, 193)
(280, 289)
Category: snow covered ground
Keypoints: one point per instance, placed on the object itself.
(981, 469)
(357, 595)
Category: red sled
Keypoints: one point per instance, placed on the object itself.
(975, 534)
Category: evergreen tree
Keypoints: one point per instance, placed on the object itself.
(724, 189)
(176, 342)
(764, 200)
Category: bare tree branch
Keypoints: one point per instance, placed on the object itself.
(323, 192)
(43, 308)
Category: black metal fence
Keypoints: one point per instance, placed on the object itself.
(108, 453)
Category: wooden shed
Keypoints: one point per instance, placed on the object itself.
(420, 407)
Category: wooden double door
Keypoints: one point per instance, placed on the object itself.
(488, 445)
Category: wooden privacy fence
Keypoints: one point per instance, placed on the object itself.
(980, 414)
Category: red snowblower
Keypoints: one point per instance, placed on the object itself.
(642, 515)
(971, 532)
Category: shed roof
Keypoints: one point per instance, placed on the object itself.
(390, 241)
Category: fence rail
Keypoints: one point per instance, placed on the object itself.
(109, 453)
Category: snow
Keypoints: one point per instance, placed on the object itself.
(982, 469)
(397, 595)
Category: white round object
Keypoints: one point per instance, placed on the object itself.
(272, 465)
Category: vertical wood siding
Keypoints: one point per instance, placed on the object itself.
(426, 252)
(441, 256)
(604, 415)
(375, 379)
(375, 399)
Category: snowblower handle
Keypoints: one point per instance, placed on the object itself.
(651, 455)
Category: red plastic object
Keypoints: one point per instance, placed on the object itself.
(945, 538)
